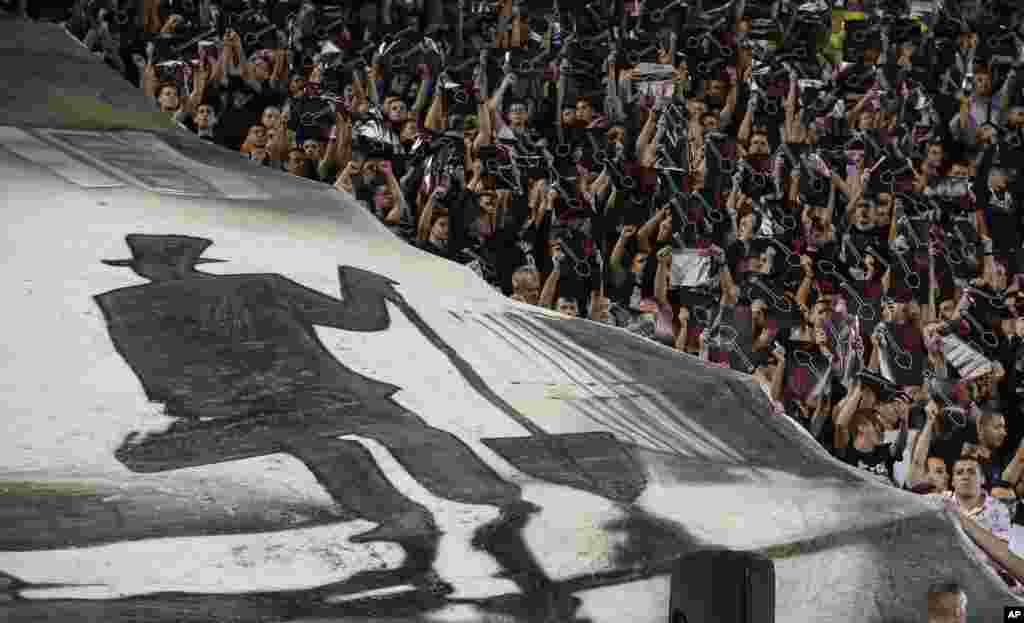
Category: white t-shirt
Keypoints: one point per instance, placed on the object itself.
(1017, 539)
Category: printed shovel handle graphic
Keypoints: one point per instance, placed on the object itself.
(726, 338)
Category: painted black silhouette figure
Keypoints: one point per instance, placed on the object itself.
(236, 359)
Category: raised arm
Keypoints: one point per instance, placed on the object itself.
(333, 155)
(845, 410)
(496, 102)
(374, 79)
(646, 134)
(662, 276)
(151, 16)
(550, 291)
(643, 237)
(790, 106)
(362, 307)
(854, 113)
(426, 90)
(919, 454)
(485, 133)
(730, 293)
(401, 208)
(994, 546)
(149, 81)
(278, 148)
(218, 72)
(618, 271)
(779, 377)
(1015, 469)
(360, 102)
(743, 135)
(426, 218)
(803, 293)
(200, 80)
(435, 120)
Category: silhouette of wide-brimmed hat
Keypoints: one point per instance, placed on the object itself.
(165, 249)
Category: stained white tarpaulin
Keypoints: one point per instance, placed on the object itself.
(123, 490)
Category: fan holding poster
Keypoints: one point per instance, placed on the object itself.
(671, 139)
(809, 370)
(899, 351)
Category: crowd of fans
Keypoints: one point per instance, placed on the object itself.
(823, 195)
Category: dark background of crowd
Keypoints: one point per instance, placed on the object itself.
(823, 195)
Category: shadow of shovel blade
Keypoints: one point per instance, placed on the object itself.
(594, 462)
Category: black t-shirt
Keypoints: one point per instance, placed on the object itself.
(878, 463)
(1003, 219)
(993, 468)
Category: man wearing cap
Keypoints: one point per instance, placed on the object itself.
(236, 360)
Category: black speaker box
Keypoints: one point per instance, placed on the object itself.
(723, 586)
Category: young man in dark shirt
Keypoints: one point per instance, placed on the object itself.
(203, 123)
(864, 448)
(436, 241)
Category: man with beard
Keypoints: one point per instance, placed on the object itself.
(990, 434)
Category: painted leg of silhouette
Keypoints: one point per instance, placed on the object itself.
(541, 598)
(449, 469)
(443, 463)
(503, 540)
(351, 476)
